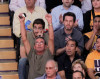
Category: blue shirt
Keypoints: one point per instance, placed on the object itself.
(60, 10)
(44, 77)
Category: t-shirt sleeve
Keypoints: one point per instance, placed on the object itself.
(89, 61)
(30, 54)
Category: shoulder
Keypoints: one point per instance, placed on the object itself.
(40, 77)
(76, 8)
(20, 10)
(56, 8)
(58, 32)
(77, 32)
(92, 54)
(37, 8)
(88, 34)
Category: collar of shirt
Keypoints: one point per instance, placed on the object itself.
(62, 8)
(57, 76)
(75, 57)
(35, 9)
(63, 32)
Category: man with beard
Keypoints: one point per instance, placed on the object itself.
(90, 37)
(93, 61)
(66, 33)
(60, 10)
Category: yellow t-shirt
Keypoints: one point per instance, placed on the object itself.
(93, 60)
(91, 22)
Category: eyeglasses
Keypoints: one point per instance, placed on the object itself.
(49, 68)
(41, 43)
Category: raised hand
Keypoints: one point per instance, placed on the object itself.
(49, 18)
(61, 18)
(95, 29)
(21, 18)
(76, 23)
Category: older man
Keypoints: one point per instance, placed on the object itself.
(51, 69)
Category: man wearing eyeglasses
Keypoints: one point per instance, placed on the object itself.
(40, 52)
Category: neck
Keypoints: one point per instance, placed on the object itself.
(66, 7)
(30, 9)
(68, 31)
(51, 77)
(72, 57)
(97, 9)
(40, 53)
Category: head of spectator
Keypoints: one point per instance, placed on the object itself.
(96, 4)
(51, 69)
(77, 75)
(71, 48)
(69, 19)
(30, 4)
(98, 44)
(80, 66)
(96, 23)
(39, 45)
(38, 27)
(67, 3)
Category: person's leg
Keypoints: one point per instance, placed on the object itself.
(22, 68)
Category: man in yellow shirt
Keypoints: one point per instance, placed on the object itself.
(93, 61)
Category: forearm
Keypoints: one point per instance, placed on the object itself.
(62, 74)
(51, 38)
(91, 75)
(23, 31)
(88, 45)
(61, 50)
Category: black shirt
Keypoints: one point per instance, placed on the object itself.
(64, 63)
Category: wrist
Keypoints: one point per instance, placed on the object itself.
(50, 24)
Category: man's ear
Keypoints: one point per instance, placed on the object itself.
(46, 46)
(34, 47)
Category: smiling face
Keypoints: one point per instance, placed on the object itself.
(98, 45)
(70, 48)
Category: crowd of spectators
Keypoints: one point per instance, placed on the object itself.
(57, 39)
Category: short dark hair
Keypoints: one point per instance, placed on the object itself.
(69, 14)
(79, 72)
(73, 41)
(96, 16)
(39, 21)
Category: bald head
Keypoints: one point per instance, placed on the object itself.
(51, 68)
